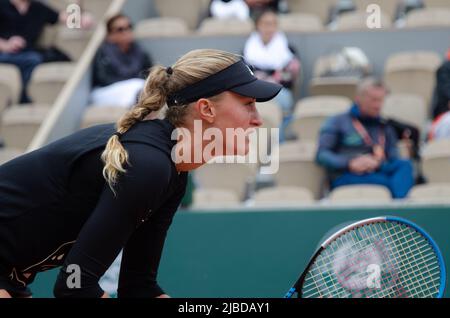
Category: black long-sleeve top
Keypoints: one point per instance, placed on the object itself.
(56, 209)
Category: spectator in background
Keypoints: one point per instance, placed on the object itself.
(358, 147)
(119, 66)
(268, 50)
(229, 9)
(441, 97)
(21, 25)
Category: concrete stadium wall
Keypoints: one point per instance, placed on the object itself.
(258, 253)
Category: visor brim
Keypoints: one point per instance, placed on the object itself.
(262, 91)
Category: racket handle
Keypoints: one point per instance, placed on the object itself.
(290, 293)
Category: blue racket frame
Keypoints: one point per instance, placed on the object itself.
(435, 247)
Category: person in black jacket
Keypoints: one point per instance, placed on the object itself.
(21, 24)
(77, 202)
(120, 65)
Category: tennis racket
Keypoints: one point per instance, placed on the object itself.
(382, 257)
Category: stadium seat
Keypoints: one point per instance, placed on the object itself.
(161, 27)
(7, 154)
(21, 122)
(388, 7)
(320, 8)
(300, 22)
(214, 198)
(10, 85)
(357, 20)
(189, 10)
(297, 147)
(270, 113)
(228, 176)
(212, 26)
(97, 7)
(436, 161)
(428, 17)
(412, 73)
(95, 114)
(283, 196)
(430, 193)
(300, 170)
(59, 5)
(407, 108)
(48, 80)
(72, 41)
(311, 112)
(361, 193)
(337, 86)
(48, 36)
(437, 3)
(272, 117)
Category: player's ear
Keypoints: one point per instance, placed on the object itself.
(206, 109)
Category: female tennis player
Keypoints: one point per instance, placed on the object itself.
(78, 201)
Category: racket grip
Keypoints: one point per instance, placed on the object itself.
(290, 293)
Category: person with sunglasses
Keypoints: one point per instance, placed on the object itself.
(119, 66)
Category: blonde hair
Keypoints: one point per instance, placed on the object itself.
(190, 68)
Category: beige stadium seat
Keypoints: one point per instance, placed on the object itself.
(300, 22)
(228, 176)
(48, 36)
(389, 7)
(96, 114)
(358, 20)
(214, 198)
(428, 17)
(73, 42)
(430, 193)
(97, 7)
(437, 3)
(297, 147)
(311, 112)
(21, 122)
(189, 10)
(10, 85)
(212, 26)
(360, 193)
(300, 170)
(412, 73)
(436, 161)
(161, 27)
(407, 108)
(48, 80)
(59, 5)
(338, 86)
(320, 8)
(281, 196)
(270, 113)
(272, 117)
(7, 154)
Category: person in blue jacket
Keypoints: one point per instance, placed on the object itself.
(359, 147)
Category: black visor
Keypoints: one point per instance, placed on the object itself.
(237, 78)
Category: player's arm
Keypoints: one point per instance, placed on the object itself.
(113, 222)
(142, 254)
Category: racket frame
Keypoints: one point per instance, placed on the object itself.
(297, 285)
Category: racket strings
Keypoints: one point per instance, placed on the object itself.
(404, 257)
(411, 251)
